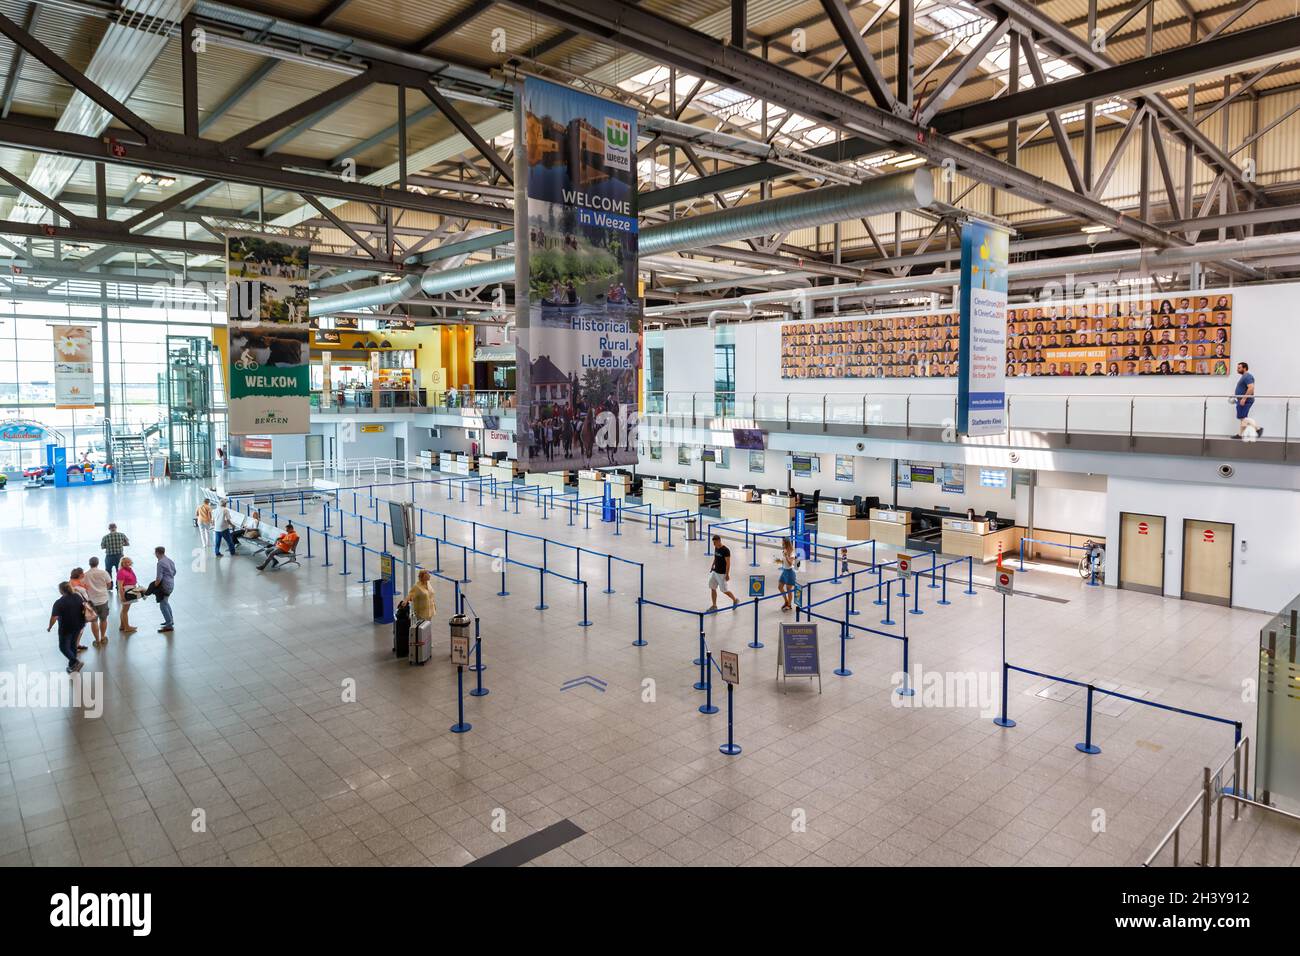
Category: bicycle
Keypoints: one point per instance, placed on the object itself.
(1093, 561)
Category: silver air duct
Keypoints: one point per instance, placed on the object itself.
(899, 192)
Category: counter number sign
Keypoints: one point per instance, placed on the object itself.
(1004, 581)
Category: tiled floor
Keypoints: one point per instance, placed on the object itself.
(238, 720)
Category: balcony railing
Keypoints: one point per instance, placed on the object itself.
(1188, 417)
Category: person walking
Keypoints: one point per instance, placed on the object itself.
(1244, 399)
(113, 545)
(99, 586)
(225, 524)
(69, 613)
(164, 582)
(203, 518)
(789, 563)
(77, 581)
(128, 592)
(720, 573)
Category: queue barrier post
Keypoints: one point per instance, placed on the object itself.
(755, 643)
(970, 575)
(842, 670)
(887, 620)
(345, 556)
(880, 580)
(464, 558)
(327, 551)
(848, 610)
(586, 621)
(730, 748)
(699, 684)
(943, 597)
(477, 667)
(1087, 746)
(708, 706)
(906, 690)
(853, 594)
(541, 590)
(460, 727)
(934, 560)
(916, 598)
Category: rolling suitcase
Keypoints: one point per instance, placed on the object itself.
(402, 631)
(421, 643)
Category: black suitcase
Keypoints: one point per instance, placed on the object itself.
(402, 631)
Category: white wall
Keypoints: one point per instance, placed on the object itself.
(1265, 576)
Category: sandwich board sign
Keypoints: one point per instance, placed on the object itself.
(1004, 581)
(905, 565)
(729, 661)
(797, 654)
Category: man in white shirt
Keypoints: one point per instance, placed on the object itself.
(98, 584)
(225, 525)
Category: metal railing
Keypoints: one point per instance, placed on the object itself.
(1153, 415)
(1209, 800)
(306, 472)
(344, 400)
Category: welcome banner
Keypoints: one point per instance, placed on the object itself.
(74, 367)
(577, 305)
(268, 371)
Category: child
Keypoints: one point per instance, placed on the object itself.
(844, 560)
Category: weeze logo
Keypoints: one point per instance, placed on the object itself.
(618, 144)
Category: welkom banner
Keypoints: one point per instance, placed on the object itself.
(577, 310)
(266, 295)
(981, 382)
(74, 367)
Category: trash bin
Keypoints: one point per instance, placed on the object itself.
(692, 525)
(460, 626)
(382, 601)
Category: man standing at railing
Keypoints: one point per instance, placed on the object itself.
(1245, 398)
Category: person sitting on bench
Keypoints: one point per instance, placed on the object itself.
(250, 529)
(285, 546)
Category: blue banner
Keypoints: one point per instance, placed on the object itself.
(981, 378)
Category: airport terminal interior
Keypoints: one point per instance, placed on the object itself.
(574, 433)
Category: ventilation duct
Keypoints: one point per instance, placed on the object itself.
(888, 194)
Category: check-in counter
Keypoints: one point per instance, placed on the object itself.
(1050, 545)
(891, 527)
(737, 503)
(778, 509)
(653, 491)
(590, 484)
(972, 538)
(686, 497)
(556, 480)
(502, 470)
(619, 484)
(840, 518)
(455, 463)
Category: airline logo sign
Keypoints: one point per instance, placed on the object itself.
(1005, 581)
(618, 144)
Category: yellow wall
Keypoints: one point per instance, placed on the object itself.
(448, 349)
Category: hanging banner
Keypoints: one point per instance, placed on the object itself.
(269, 370)
(74, 367)
(981, 381)
(577, 305)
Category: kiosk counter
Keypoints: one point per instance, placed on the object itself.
(964, 537)
(653, 491)
(555, 480)
(455, 463)
(840, 518)
(891, 527)
(687, 497)
(737, 503)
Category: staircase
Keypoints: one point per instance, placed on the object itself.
(130, 458)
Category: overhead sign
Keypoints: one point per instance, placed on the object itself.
(982, 355)
(74, 367)
(729, 662)
(269, 356)
(371, 429)
(797, 653)
(577, 301)
(1004, 581)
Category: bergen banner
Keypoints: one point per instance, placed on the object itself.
(266, 303)
(982, 376)
(577, 311)
(74, 367)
